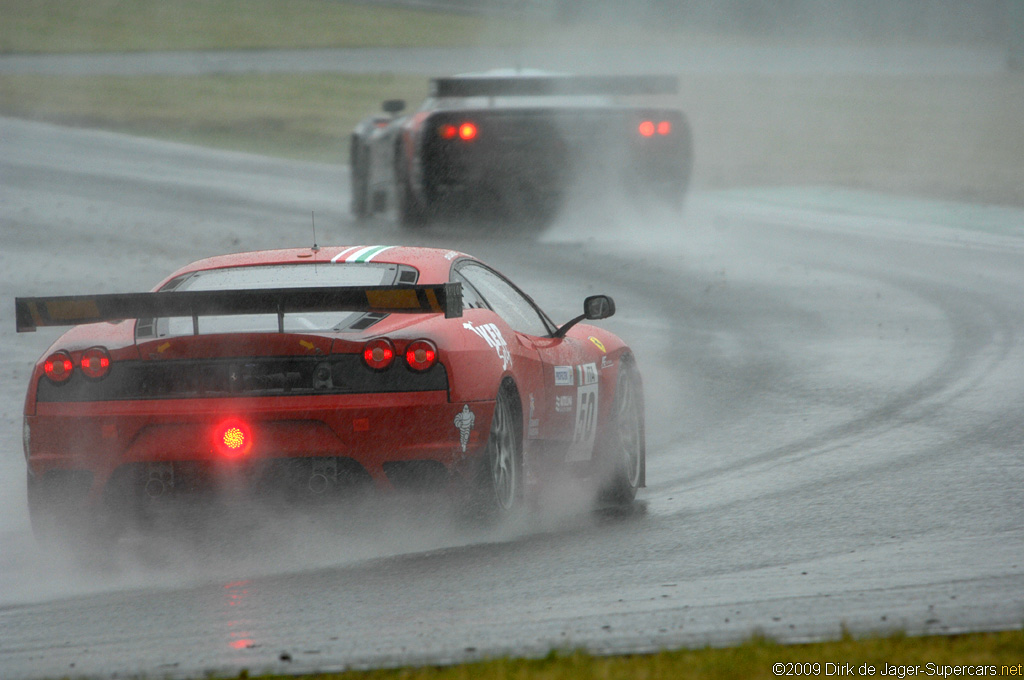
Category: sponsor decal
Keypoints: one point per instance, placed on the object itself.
(586, 374)
(451, 255)
(597, 343)
(606, 363)
(464, 421)
(533, 431)
(563, 404)
(563, 376)
(492, 335)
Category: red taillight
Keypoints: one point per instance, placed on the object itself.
(95, 362)
(649, 128)
(233, 438)
(378, 354)
(466, 131)
(58, 366)
(420, 355)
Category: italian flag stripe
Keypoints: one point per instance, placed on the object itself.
(340, 257)
(367, 254)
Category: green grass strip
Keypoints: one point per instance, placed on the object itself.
(142, 25)
(998, 654)
(55, 26)
(307, 117)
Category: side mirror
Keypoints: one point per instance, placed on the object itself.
(598, 307)
(394, 106)
(594, 307)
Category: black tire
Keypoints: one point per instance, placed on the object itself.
(360, 203)
(501, 480)
(411, 213)
(623, 451)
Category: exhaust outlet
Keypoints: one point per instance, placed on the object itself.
(155, 488)
(160, 479)
(323, 475)
(318, 483)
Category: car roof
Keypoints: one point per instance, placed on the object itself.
(433, 264)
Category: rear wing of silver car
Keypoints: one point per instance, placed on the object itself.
(71, 310)
(532, 86)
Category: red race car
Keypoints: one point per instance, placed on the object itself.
(311, 372)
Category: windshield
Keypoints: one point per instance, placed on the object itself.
(299, 275)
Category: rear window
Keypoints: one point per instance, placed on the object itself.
(304, 275)
(288, 276)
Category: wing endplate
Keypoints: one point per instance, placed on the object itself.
(72, 310)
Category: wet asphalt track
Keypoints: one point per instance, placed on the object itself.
(834, 380)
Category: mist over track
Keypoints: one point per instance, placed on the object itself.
(834, 385)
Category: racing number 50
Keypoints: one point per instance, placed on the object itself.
(586, 415)
(582, 447)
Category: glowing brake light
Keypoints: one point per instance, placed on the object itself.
(58, 366)
(649, 128)
(466, 131)
(95, 363)
(232, 438)
(420, 355)
(378, 354)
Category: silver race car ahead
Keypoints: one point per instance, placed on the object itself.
(513, 146)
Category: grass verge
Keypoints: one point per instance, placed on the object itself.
(63, 26)
(307, 117)
(978, 654)
(141, 25)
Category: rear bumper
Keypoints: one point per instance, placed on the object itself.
(386, 440)
(547, 152)
(514, 179)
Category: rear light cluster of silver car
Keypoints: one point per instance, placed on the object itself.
(466, 131)
(649, 128)
(379, 354)
(93, 362)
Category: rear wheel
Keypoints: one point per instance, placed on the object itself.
(410, 212)
(624, 450)
(360, 204)
(501, 487)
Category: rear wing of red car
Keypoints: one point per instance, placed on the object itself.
(71, 310)
(531, 86)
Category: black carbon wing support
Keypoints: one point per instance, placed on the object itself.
(71, 310)
(533, 86)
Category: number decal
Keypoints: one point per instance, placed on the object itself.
(586, 414)
(585, 430)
